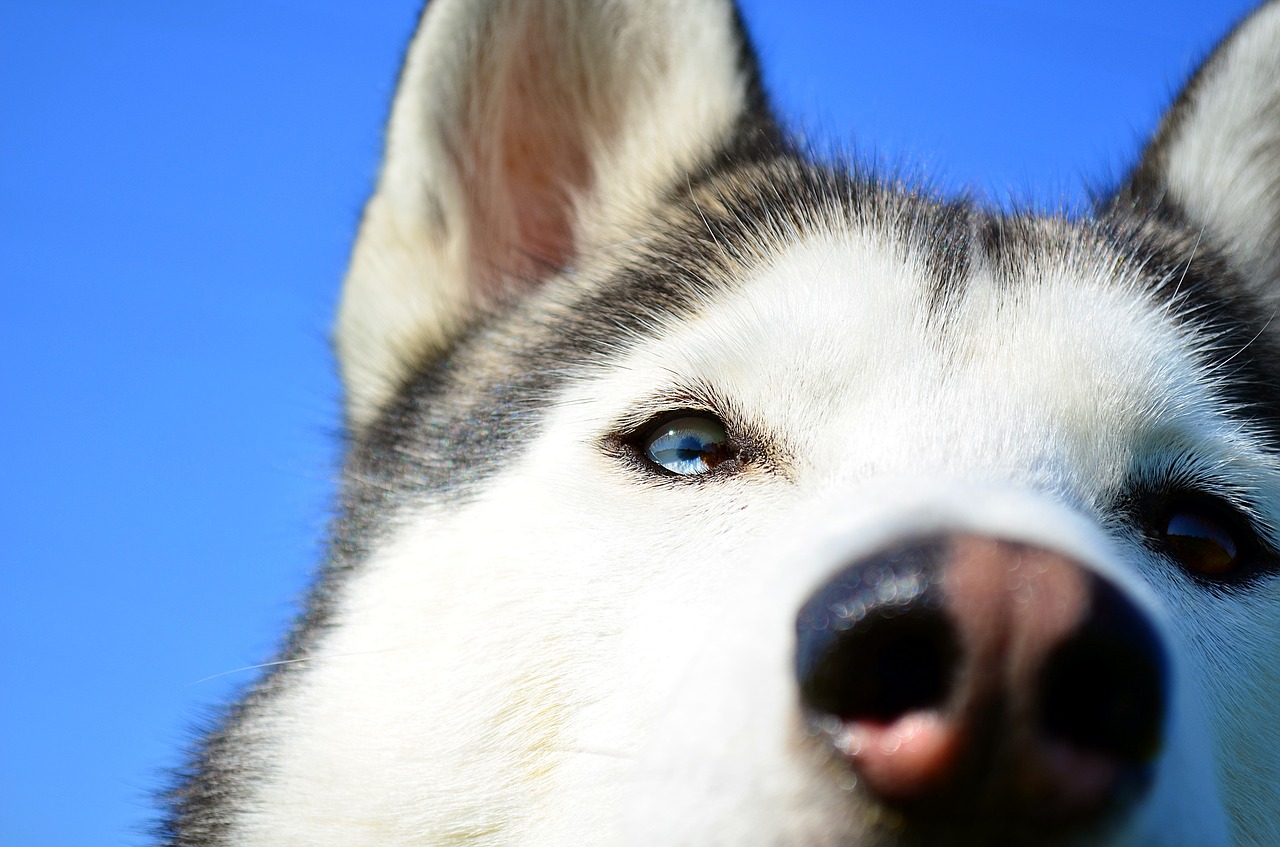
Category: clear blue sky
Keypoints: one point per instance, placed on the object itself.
(179, 184)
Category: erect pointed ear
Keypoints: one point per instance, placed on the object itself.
(1214, 163)
(523, 134)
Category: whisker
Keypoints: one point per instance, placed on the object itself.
(587, 751)
(295, 661)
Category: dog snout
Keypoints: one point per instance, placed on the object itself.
(965, 677)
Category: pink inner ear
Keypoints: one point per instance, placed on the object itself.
(545, 168)
(525, 152)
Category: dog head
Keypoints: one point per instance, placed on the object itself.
(700, 492)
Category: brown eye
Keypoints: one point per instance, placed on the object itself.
(1204, 540)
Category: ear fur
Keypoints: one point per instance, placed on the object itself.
(524, 133)
(1214, 163)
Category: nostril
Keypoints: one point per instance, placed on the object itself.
(885, 669)
(873, 644)
(1104, 690)
(1103, 699)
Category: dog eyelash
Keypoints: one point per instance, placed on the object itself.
(694, 397)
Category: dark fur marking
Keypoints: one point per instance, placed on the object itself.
(425, 447)
(1210, 296)
(947, 233)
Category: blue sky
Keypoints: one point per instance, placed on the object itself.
(179, 185)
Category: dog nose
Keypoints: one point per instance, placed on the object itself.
(965, 677)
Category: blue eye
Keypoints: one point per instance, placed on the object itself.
(688, 446)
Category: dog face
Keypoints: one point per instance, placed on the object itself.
(700, 493)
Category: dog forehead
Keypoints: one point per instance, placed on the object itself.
(845, 340)
(852, 307)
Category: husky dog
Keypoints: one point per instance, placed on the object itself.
(702, 493)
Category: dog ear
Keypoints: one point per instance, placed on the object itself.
(522, 134)
(1214, 163)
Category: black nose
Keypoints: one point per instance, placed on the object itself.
(961, 673)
